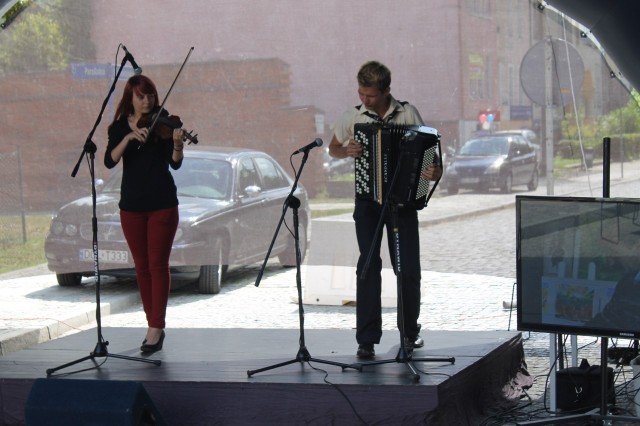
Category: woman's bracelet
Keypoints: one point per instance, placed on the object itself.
(176, 149)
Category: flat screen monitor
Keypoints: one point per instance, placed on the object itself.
(578, 265)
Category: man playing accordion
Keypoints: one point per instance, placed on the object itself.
(379, 106)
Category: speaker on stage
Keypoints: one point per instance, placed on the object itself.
(66, 402)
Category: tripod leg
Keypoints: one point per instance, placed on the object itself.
(132, 358)
(271, 367)
(50, 371)
(413, 370)
(93, 357)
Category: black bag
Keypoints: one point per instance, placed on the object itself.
(579, 388)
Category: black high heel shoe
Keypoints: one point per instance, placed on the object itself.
(149, 349)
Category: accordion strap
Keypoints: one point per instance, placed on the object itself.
(377, 118)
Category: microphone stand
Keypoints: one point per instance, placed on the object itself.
(89, 149)
(403, 356)
(303, 354)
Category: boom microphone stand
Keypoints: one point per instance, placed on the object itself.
(89, 149)
(303, 354)
(404, 356)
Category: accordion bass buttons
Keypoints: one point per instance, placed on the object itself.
(362, 165)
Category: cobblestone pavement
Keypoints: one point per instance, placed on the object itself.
(468, 257)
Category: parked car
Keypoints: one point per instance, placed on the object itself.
(533, 139)
(336, 166)
(231, 201)
(486, 162)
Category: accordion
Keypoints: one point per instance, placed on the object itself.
(395, 151)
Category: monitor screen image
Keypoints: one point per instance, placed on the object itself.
(578, 265)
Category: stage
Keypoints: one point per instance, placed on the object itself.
(203, 377)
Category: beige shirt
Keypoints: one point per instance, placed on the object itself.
(396, 114)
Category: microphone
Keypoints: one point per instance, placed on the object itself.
(306, 148)
(136, 69)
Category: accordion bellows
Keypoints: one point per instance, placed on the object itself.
(392, 161)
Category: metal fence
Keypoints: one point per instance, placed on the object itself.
(12, 210)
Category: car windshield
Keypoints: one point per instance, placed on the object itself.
(203, 178)
(197, 177)
(485, 147)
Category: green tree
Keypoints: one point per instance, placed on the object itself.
(622, 120)
(621, 124)
(47, 35)
(34, 42)
(573, 129)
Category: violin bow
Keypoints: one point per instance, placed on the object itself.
(155, 120)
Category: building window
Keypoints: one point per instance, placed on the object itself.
(479, 7)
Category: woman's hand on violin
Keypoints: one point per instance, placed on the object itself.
(139, 134)
(178, 143)
(178, 139)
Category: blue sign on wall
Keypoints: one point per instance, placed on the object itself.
(99, 72)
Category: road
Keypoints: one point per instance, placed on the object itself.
(486, 244)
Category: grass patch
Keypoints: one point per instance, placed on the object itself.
(15, 253)
(347, 177)
(324, 199)
(560, 163)
(345, 206)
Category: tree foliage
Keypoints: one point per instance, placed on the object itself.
(624, 120)
(47, 36)
(35, 43)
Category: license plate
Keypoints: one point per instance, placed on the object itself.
(470, 180)
(110, 256)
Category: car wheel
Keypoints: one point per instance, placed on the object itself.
(533, 183)
(507, 184)
(69, 280)
(210, 279)
(288, 257)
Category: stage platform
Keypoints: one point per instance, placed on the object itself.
(203, 377)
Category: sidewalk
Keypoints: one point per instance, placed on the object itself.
(35, 309)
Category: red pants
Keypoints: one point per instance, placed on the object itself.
(150, 237)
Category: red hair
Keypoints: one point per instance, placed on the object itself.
(139, 84)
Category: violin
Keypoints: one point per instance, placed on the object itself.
(163, 125)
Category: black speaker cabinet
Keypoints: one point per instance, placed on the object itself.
(68, 402)
(580, 388)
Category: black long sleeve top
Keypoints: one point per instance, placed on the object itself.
(147, 184)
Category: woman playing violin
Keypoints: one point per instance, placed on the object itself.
(148, 198)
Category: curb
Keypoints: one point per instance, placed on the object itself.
(16, 340)
(422, 223)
